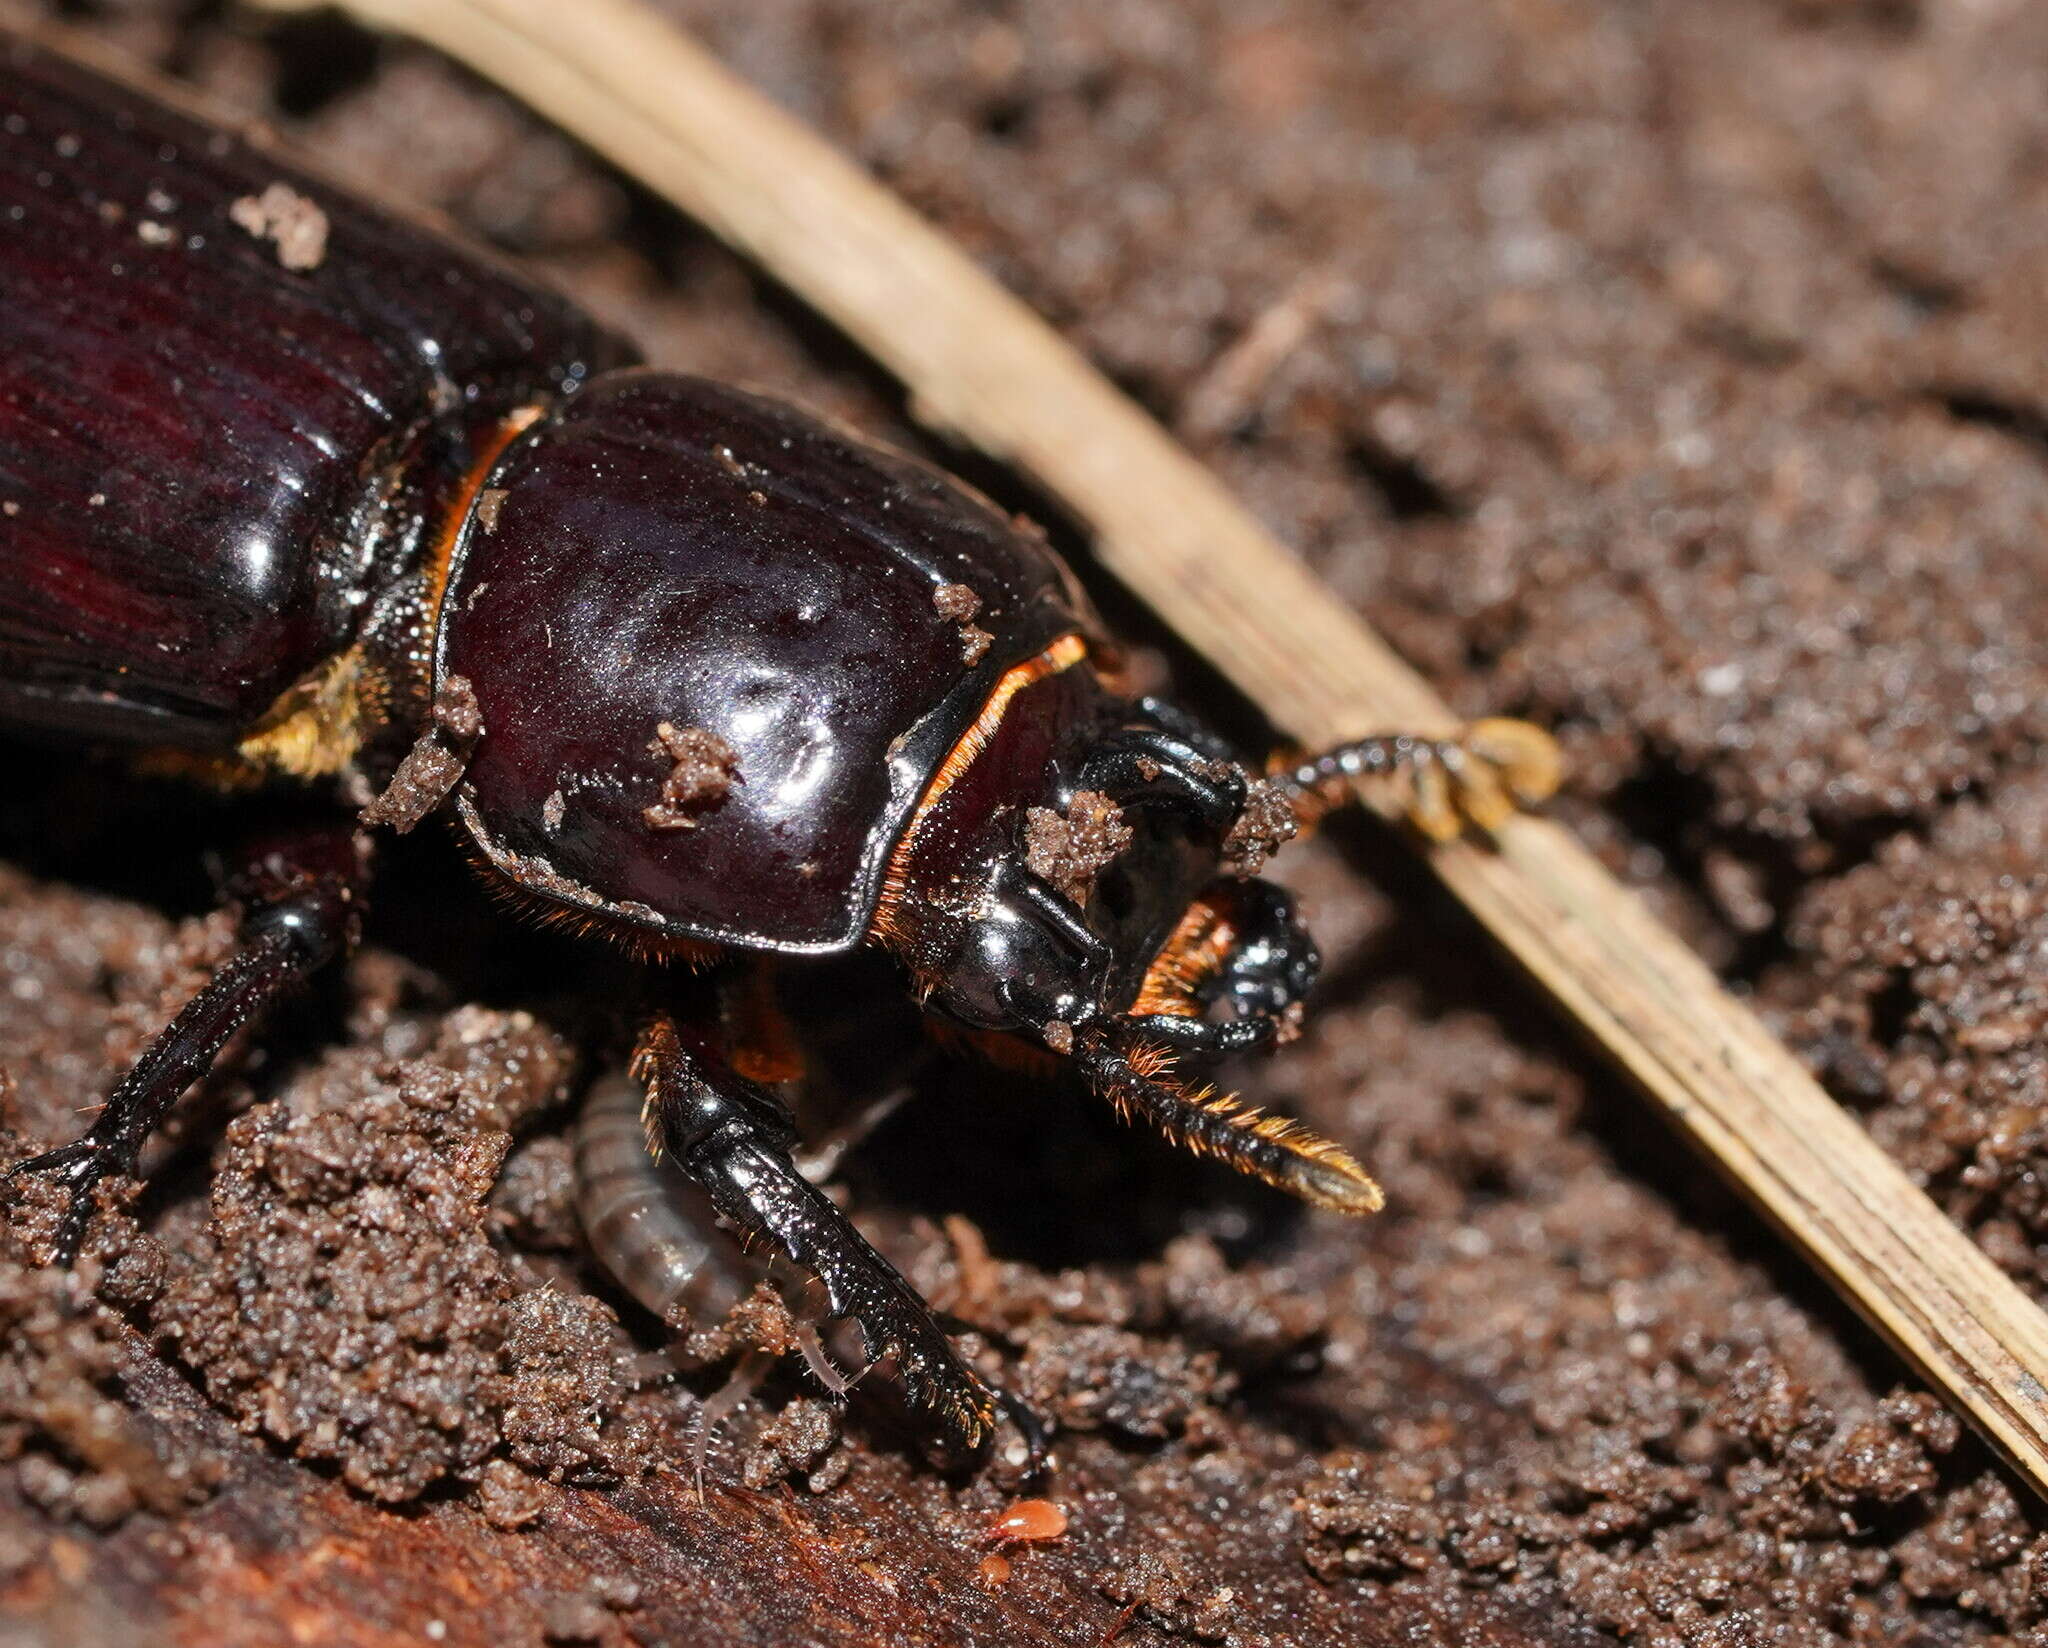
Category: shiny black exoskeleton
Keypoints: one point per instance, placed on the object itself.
(681, 664)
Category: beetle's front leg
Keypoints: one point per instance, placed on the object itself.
(1262, 971)
(734, 1139)
(300, 905)
(1483, 772)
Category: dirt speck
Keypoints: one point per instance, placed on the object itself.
(705, 768)
(295, 225)
(534, 1203)
(81, 1453)
(1267, 823)
(507, 1497)
(574, 1619)
(1070, 850)
(957, 604)
(798, 1442)
(434, 765)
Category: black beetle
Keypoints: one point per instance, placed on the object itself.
(290, 486)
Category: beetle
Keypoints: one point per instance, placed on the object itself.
(295, 488)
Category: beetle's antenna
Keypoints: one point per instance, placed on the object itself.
(1277, 1149)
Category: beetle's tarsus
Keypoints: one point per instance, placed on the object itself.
(1482, 775)
(79, 1167)
(299, 911)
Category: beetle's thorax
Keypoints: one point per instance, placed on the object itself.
(721, 651)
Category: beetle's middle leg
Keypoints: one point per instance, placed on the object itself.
(300, 907)
(735, 1139)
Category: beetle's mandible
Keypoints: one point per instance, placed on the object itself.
(296, 488)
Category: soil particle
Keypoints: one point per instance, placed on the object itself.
(434, 765)
(705, 768)
(1266, 823)
(1253, 1317)
(507, 1497)
(575, 1619)
(490, 504)
(1102, 1378)
(79, 1451)
(1923, 1008)
(1175, 1596)
(798, 1442)
(957, 604)
(1356, 1528)
(1071, 850)
(560, 1379)
(534, 1202)
(294, 224)
(760, 1321)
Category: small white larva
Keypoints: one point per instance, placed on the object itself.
(657, 1233)
(654, 1231)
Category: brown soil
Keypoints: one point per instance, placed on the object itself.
(704, 772)
(1675, 376)
(1070, 850)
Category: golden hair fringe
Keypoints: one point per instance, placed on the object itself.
(1063, 654)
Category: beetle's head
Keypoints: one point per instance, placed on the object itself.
(1126, 917)
(1081, 881)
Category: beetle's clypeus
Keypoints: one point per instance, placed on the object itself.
(293, 487)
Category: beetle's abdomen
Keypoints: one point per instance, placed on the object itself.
(673, 552)
(198, 444)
